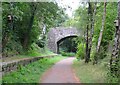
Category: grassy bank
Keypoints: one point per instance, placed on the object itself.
(89, 73)
(32, 72)
(34, 51)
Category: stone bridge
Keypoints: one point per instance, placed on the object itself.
(56, 35)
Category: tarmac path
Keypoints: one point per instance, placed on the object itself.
(61, 72)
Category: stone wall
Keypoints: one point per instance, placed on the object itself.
(14, 65)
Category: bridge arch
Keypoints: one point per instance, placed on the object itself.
(55, 35)
(62, 39)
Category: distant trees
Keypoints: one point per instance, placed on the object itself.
(68, 45)
(22, 23)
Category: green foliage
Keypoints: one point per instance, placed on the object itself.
(32, 72)
(111, 78)
(80, 51)
(34, 50)
(109, 30)
(13, 48)
(42, 42)
(68, 45)
(24, 29)
(70, 54)
(102, 54)
(79, 20)
(93, 51)
(89, 73)
(81, 15)
(107, 39)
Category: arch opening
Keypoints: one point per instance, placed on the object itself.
(67, 44)
(55, 36)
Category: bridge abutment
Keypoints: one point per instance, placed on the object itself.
(57, 34)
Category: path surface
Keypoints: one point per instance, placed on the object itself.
(61, 72)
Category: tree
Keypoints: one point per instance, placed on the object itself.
(20, 33)
(33, 8)
(87, 57)
(92, 26)
(115, 57)
(101, 32)
(102, 28)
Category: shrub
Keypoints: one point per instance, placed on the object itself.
(111, 78)
(34, 50)
(12, 48)
(80, 51)
(71, 54)
(41, 43)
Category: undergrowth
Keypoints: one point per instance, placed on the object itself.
(70, 54)
(89, 73)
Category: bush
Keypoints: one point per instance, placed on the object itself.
(93, 52)
(12, 48)
(80, 51)
(34, 50)
(102, 53)
(111, 78)
(71, 54)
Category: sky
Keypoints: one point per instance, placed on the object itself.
(70, 5)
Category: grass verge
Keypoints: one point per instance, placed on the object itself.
(32, 72)
(89, 73)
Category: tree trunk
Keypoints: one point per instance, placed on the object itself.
(92, 25)
(102, 29)
(87, 57)
(101, 33)
(87, 49)
(89, 26)
(115, 57)
(27, 35)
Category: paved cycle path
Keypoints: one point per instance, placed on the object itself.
(61, 72)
